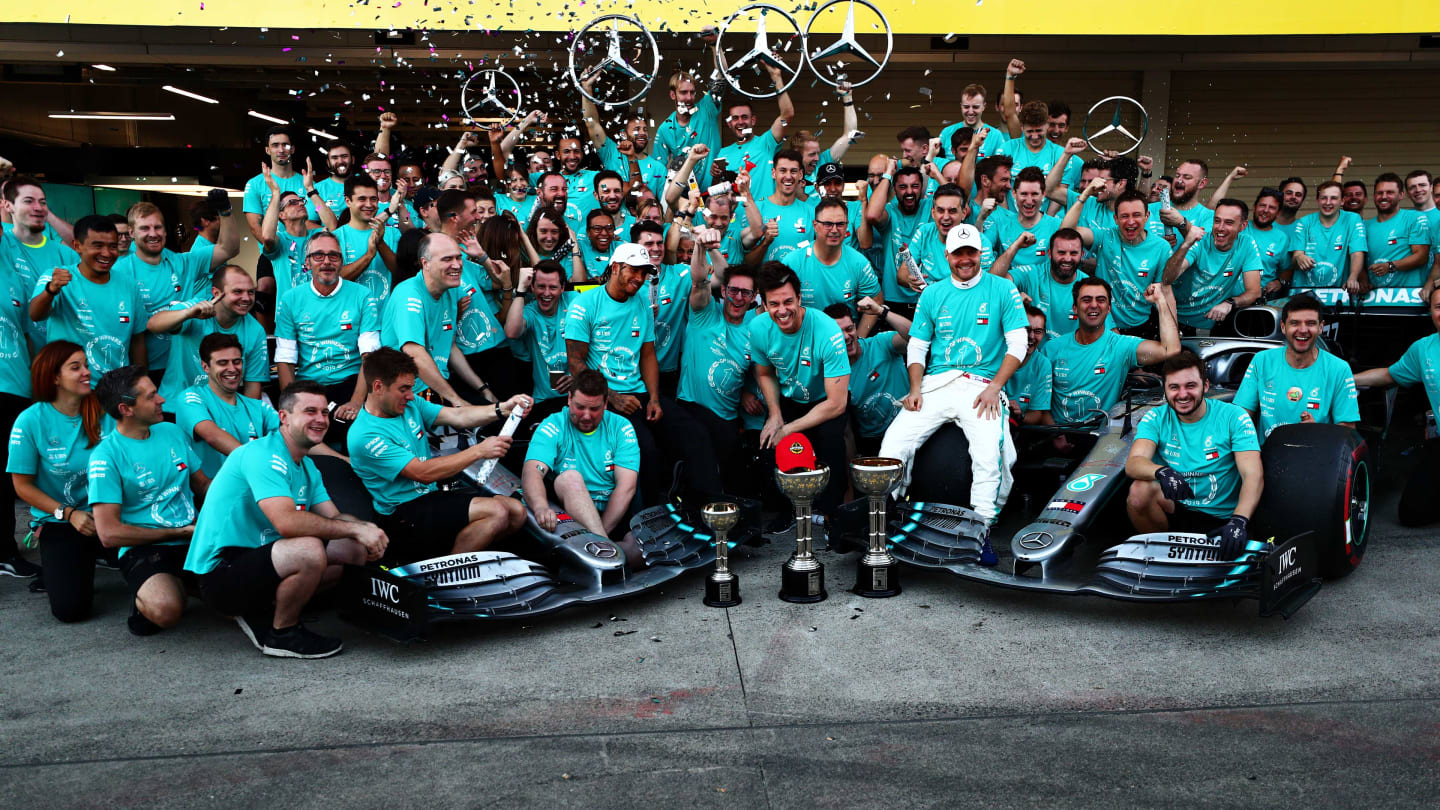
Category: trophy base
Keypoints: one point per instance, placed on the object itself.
(722, 593)
(803, 587)
(876, 581)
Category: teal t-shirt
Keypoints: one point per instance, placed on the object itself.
(149, 478)
(15, 288)
(257, 191)
(545, 341)
(1090, 377)
(1019, 151)
(1129, 269)
(184, 369)
(1198, 215)
(1421, 365)
(846, 281)
(802, 361)
(616, 331)
(1391, 240)
(966, 328)
(1203, 451)
(561, 446)
(716, 359)
(1213, 276)
(522, 209)
(232, 517)
(1055, 299)
(592, 258)
(652, 171)
(669, 294)
(1002, 228)
(287, 259)
(673, 139)
(177, 277)
(247, 420)
(1272, 246)
(1329, 247)
(52, 447)
(380, 449)
(375, 276)
(478, 330)
(878, 382)
(332, 193)
(758, 153)
(1283, 394)
(327, 329)
(795, 225)
(1093, 214)
(993, 141)
(100, 317)
(28, 263)
(412, 315)
(899, 230)
(1032, 384)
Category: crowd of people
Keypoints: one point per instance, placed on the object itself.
(652, 305)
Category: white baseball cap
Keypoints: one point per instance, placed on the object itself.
(631, 254)
(962, 235)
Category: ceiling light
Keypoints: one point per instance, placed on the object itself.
(272, 119)
(322, 134)
(184, 189)
(114, 116)
(105, 68)
(186, 93)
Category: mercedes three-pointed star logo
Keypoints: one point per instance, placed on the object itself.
(614, 61)
(830, 62)
(604, 551)
(1116, 125)
(491, 91)
(760, 54)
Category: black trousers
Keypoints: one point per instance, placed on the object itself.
(10, 408)
(675, 436)
(828, 439)
(499, 369)
(339, 393)
(68, 558)
(1418, 504)
(724, 436)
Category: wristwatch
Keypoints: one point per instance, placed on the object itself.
(59, 513)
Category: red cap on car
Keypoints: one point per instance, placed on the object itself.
(794, 454)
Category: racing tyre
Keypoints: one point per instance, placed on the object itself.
(1317, 478)
(942, 468)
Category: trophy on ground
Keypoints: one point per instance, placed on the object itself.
(722, 588)
(802, 578)
(876, 577)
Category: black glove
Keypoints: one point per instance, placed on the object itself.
(219, 199)
(1173, 484)
(1234, 534)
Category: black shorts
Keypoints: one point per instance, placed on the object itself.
(243, 583)
(1190, 520)
(140, 563)
(427, 526)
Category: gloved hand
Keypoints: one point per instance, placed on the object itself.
(1234, 535)
(219, 199)
(1173, 484)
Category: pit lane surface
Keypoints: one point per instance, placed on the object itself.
(950, 694)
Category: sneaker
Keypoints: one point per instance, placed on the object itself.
(18, 566)
(300, 642)
(141, 626)
(254, 630)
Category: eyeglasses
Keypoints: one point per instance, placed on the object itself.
(820, 223)
(739, 292)
(1039, 331)
(378, 172)
(603, 228)
(329, 256)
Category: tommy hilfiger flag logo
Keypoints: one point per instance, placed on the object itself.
(634, 333)
(805, 363)
(1212, 454)
(300, 507)
(124, 318)
(1392, 241)
(1312, 405)
(446, 328)
(874, 375)
(982, 321)
(180, 465)
(346, 327)
(610, 468)
(1100, 369)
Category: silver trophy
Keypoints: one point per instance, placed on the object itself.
(874, 477)
(722, 589)
(802, 578)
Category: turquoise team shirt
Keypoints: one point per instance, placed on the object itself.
(1093, 214)
(184, 369)
(287, 259)
(759, 151)
(1090, 377)
(669, 294)
(52, 447)
(28, 263)
(846, 281)
(478, 330)
(1329, 247)
(993, 141)
(375, 276)
(1283, 394)
(380, 449)
(878, 382)
(327, 329)
(1129, 269)
(652, 171)
(802, 361)
(673, 139)
(332, 193)
(545, 342)
(1272, 246)
(716, 359)
(900, 230)
(1050, 153)
(232, 517)
(522, 209)
(1003, 227)
(1213, 276)
(1203, 452)
(177, 277)
(795, 222)
(247, 420)
(257, 191)
(616, 331)
(561, 446)
(100, 317)
(594, 261)
(1391, 240)
(149, 478)
(1421, 365)
(1032, 385)
(412, 315)
(1055, 299)
(15, 288)
(1198, 215)
(966, 328)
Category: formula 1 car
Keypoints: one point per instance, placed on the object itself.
(1314, 507)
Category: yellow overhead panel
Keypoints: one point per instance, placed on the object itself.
(934, 17)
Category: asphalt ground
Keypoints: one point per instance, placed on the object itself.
(951, 694)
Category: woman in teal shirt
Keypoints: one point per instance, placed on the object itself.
(49, 451)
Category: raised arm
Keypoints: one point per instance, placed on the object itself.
(388, 120)
(467, 141)
(852, 122)
(1223, 190)
(1176, 265)
(1011, 116)
(1055, 188)
(787, 107)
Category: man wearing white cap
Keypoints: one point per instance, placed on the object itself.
(612, 330)
(972, 327)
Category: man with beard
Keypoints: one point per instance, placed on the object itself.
(1293, 192)
(878, 379)
(280, 153)
(282, 241)
(777, 224)
(1049, 289)
(592, 254)
(1128, 257)
(991, 178)
(225, 310)
(1298, 383)
(1271, 239)
(1420, 365)
(610, 197)
(368, 246)
(1004, 227)
(1191, 438)
(751, 152)
(927, 246)
(832, 272)
(1322, 241)
(972, 106)
(555, 194)
(1353, 196)
(212, 414)
(420, 320)
(339, 158)
(1090, 364)
(1190, 177)
(629, 158)
(1219, 275)
(1397, 240)
(716, 358)
(1120, 175)
(895, 222)
(578, 182)
(537, 316)
(967, 340)
(1030, 387)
